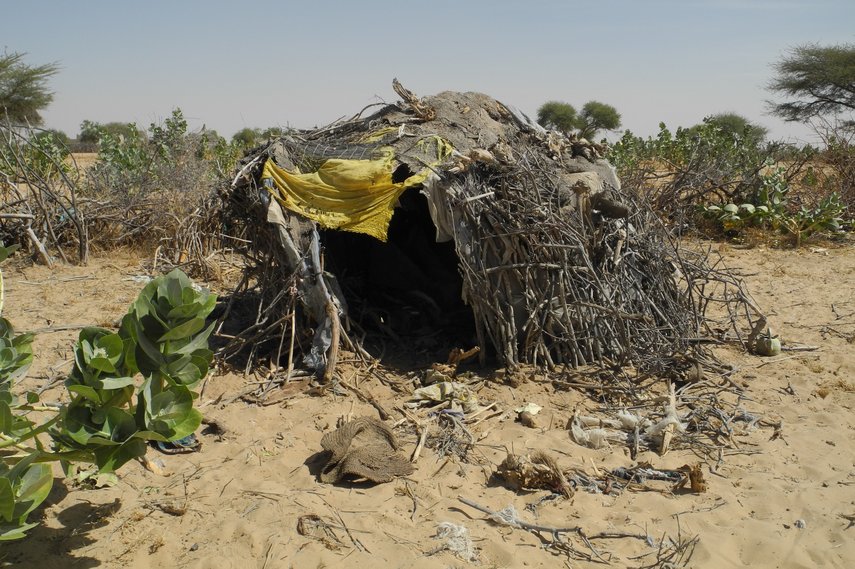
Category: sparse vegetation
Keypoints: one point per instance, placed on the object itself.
(157, 190)
(734, 179)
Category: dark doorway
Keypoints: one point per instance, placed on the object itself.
(403, 296)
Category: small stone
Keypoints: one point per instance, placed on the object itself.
(528, 420)
(194, 547)
(801, 524)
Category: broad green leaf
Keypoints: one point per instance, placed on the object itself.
(145, 308)
(10, 532)
(96, 442)
(102, 364)
(111, 345)
(23, 343)
(21, 467)
(192, 370)
(98, 417)
(187, 426)
(6, 251)
(86, 348)
(199, 307)
(120, 424)
(179, 276)
(150, 436)
(6, 418)
(86, 391)
(172, 415)
(7, 499)
(6, 328)
(78, 423)
(115, 382)
(199, 342)
(184, 311)
(108, 459)
(184, 330)
(129, 360)
(34, 488)
(174, 292)
(148, 346)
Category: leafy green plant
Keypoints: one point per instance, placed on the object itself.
(678, 172)
(164, 339)
(23, 488)
(112, 414)
(168, 139)
(772, 209)
(40, 155)
(156, 189)
(24, 485)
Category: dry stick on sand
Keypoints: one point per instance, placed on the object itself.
(554, 531)
(423, 432)
(367, 398)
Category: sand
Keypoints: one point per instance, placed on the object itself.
(238, 502)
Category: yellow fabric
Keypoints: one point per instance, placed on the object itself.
(351, 195)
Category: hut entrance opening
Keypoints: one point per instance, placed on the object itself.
(403, 295)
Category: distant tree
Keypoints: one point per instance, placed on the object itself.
(737, 125)
(246, 137)
(596, 116)
(817, 80)
(23, 88)
(210, 134)
(90, 131)
(557, 115)
(273, 132)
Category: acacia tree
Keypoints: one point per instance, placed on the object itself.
(23, 88)
(557, 115)
(816, 80)
(595, 116)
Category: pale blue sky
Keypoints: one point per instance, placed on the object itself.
(262, 63)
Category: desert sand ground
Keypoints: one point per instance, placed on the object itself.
(237, 502)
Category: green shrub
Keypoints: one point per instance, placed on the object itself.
(705, 164)
(157, 190)
(773, 209)
(112, 415)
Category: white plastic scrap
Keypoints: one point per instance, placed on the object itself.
(669, 419)
(592, 438)
(630, 421)
(532, 408)
(507, 516)
(457, 540)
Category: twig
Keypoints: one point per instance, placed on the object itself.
(553, 531)
(496, 516)
(422, 438)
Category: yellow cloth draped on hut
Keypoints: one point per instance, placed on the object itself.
(350, 195)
